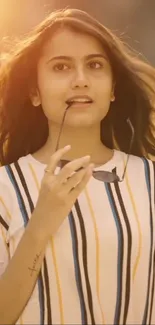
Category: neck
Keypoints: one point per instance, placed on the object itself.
(83, 141)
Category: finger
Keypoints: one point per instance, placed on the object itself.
(72, 181)
(70, 168)
(55, 158)
(81, 185)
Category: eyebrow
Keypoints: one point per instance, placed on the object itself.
(87, 57)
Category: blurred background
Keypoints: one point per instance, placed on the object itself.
(133, 20)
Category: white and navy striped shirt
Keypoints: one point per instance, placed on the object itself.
(99, 268)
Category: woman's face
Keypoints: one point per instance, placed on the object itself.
(74, 64)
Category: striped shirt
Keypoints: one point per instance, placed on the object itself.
(99, 268)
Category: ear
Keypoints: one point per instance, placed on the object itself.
(112, 97)
(112, 92)
(35, 97)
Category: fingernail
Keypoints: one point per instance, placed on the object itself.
(67, 147)
(86, 158)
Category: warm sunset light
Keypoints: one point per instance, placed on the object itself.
(77, 162)
(127, 18)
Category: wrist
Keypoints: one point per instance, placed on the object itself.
(37, 229)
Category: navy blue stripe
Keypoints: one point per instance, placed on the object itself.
(23, 182)
(129, 245)
(18, 194)
(40, 279)
(26, 219)
(85, 262)
(120, 253)
(148, 183)
(77, 268)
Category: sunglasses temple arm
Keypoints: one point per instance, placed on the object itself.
(125, 167)
(57, 145)
(131, 143)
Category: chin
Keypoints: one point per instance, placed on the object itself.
(81, 120)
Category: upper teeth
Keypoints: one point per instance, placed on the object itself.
(83, 100)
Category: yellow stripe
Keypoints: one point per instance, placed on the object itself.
(38, 188)
(21, 320)
(58, 283)
(54, 257)
(5, 207)
(138, 226)
(97, 252)
(4, 238)
(34, 176)
(12, 239)
(13, 246)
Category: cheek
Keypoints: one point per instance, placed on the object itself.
(105, 91)
(51, 87)
(104, 95)
(52, 95)
(45, 84)
(104, 84)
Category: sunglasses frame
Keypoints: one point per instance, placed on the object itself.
(104, 176)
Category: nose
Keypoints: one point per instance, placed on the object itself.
(80, 79)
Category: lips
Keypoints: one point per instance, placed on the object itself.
(79, 100)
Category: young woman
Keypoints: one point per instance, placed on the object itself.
(77, 229)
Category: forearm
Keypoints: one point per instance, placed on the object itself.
(21, 274)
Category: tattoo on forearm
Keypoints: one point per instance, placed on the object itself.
(33, 268)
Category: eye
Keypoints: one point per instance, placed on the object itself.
(60, 67)
(95, 65)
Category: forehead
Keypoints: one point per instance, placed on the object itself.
(69, 42)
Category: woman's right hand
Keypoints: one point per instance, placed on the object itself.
(59, 192)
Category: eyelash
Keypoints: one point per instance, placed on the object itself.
(63, 64)
(97, 62)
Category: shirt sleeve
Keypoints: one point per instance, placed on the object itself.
(5, 219)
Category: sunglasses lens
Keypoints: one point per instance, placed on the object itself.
(105, 177)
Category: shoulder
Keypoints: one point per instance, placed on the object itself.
(16, 184)
(135, 160)
(8, 173)
(10, 176)
(142, 163)
(140, 167)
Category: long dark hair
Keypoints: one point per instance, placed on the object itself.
(24, 129)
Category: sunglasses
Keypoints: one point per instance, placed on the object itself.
(104, 176)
